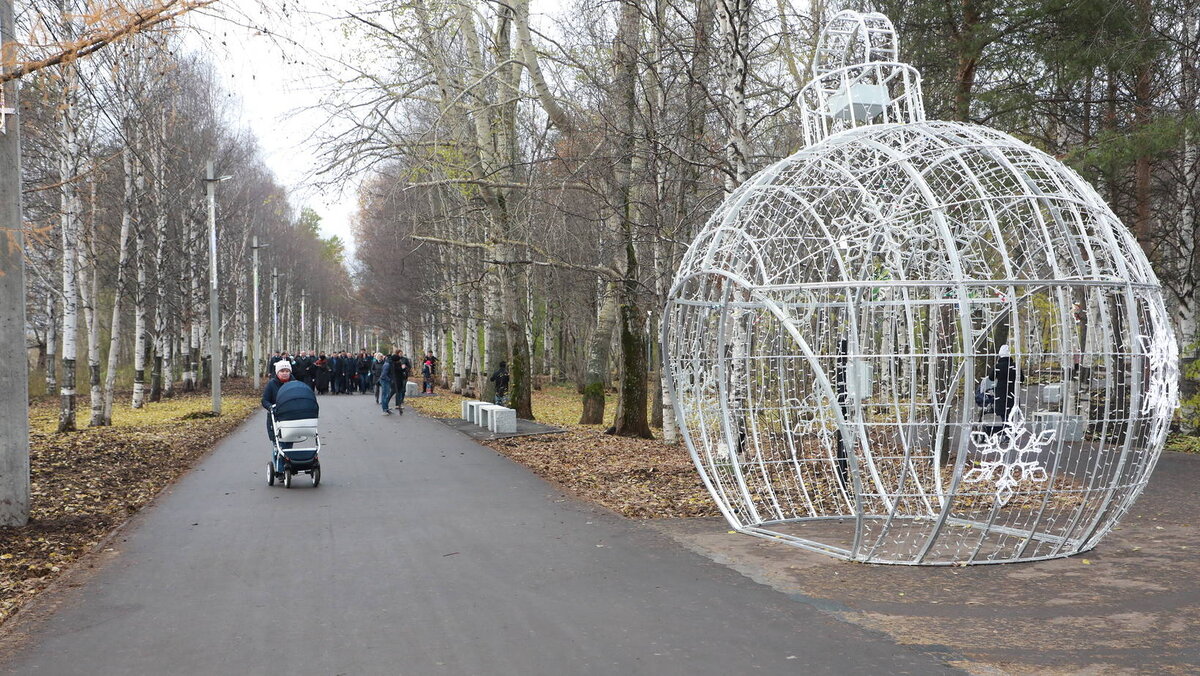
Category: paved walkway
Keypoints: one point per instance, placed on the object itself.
(421, 553)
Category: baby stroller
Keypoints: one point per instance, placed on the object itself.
(294, 420)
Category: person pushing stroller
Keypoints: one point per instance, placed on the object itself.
(283, 374)
(292, 413)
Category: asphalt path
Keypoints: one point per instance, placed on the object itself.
(421, 552)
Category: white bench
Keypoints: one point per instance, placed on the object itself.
(485, 415)
(410, 389)
(1066, 427)
(502, 419)
(472, 410)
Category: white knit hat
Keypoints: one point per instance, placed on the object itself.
(283, 364)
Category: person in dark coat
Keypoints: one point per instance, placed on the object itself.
(377, 373)
(300, 367)
(428, 371)
(385, 386)
(335, 370)
(346, 372)
(283, 374)
(364, 372)
(401, 368)
(321, 374)
(1004, 374)
(500, 378)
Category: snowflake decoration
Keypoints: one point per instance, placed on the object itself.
(1014, 442)
(1162, 391)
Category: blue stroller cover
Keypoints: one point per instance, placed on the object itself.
(295, 401)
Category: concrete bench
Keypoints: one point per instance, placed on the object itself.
(466, 409)
(472, 410)
(485, 414)
(410, 389)
(502, 419)
(1066, 427)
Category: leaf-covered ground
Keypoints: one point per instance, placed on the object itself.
(86, 483)
(639, 478)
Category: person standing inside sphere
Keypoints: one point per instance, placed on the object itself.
(1004, 375)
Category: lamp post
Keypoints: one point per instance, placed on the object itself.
(210, 186)
(275, 307)
(255, 246)
(14, 369)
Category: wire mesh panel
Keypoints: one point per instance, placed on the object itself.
(919, 342)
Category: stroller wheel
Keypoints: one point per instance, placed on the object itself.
(287, 478)
(270, 474)
(316, 476)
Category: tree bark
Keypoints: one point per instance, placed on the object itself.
(599, 351)
(68, 165)
(114, 341)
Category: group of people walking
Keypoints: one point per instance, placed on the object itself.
(346, 372)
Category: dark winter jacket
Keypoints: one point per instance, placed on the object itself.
(1005, 377)
(271, 391)
(500, 378)
(401, 368)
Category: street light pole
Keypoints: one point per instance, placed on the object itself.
(214, 317)
(255, 246)
(275, 307)
(14, 368)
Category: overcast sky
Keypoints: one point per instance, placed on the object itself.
(270, 79)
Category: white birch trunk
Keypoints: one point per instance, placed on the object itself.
(161, 341)
(91, 291)
(140, 291)
(733, 21)
(114, 340)
(68, 166)
(52, 343)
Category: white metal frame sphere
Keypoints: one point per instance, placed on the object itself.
(828, 331)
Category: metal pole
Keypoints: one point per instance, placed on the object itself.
(275, 308)
(257, 339)
(210, 186)
(14, 369)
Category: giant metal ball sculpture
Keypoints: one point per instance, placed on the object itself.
(917, 342)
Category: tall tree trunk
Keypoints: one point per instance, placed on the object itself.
(631, 419)
(114, 339)
(733, 18)
(14, 371)
(91, 288)
(599, 351)
(1143, 99)
(161, 280)
(141, 291)
(52, 301)
(68, 166)
(969, 48)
